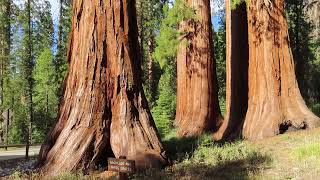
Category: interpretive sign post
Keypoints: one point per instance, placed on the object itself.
(122, 165)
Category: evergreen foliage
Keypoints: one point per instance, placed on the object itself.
(64, 28)
(165, 109)
(165, 54)
(5, 57)
(305, 50)
(168, 40)
(45, 97)
(220, 55)
(235, 3)
(31, 71)
(149, 16)
(33, 61)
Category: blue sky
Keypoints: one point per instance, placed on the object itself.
(55, 13)
(55, 10)
(215, 21)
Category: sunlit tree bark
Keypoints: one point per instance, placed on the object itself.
(104, 112)
(197, 90)
(237, 56)
(275, 104)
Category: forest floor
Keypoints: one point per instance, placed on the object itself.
(295, 155)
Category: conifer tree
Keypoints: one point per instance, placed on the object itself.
(5, 57)
(149, 16)
(64, 27)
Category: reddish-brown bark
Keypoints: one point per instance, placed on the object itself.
(197, 98)
(237, 57)
(104, 111)
(262, 99)
(275, 104)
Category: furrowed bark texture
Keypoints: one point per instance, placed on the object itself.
(237, 57)
(104, 111)
(197, 95)
(275, 103)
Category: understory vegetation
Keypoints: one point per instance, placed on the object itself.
(290, 156)
(158, 27)
(295, 155)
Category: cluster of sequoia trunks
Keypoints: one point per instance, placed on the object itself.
(104, 112)
(263, 98)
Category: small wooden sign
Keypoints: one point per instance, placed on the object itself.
(121, 165)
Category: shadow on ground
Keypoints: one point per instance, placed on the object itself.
(200, 158)
(238, 169)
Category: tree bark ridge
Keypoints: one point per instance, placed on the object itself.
(197, 90)
(104, 111)
(275, 101)
(237, 58)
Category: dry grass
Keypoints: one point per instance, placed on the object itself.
(295, 155)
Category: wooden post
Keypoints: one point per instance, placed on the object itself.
(1, 131)
(28, 144)
(7, 128)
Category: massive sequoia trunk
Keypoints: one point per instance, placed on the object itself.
(275, 104)
(197, 95)
(237, 57)
(104, 111)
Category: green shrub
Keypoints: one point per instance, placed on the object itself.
(316, 109)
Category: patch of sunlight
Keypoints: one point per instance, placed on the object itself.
(311, 150)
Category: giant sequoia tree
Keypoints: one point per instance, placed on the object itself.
(104, 111)
(197, 91)
(237, 71)
(273, 103)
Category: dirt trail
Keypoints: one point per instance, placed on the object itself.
(18, 153)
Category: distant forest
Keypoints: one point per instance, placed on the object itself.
(34, 53)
